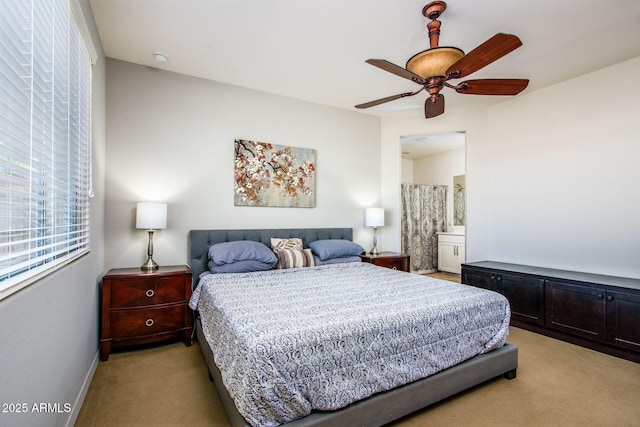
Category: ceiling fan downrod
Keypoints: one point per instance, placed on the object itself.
(433, 11)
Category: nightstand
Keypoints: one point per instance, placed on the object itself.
(391, 260)
(140, 307)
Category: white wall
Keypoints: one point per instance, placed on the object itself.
(49, 330)
(407, 171)
(551, 174)
(440, 168)
(564, 175)
(171, 139)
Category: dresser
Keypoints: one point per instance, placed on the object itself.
(391, 260)
(141, 307)
(595, 311)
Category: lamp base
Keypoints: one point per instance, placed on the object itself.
(374, 250)
(149, 265)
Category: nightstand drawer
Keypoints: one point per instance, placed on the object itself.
(140, 322)
(140, 293)
(392, 260)
(393, 263)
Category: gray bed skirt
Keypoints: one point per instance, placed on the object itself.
(382, 408)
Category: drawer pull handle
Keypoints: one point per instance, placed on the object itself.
(394, 268)
(150, 293)
(149, 322)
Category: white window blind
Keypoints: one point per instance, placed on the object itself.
(45, 82)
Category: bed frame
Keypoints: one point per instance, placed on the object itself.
(380, 408)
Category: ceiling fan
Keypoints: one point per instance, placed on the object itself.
(434, 67)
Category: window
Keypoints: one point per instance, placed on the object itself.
(45, 82)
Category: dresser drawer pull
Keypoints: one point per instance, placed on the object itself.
(149, 322)
(150, 293)
(394, 267)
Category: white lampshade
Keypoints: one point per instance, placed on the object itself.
(151, 216)
(374, 217)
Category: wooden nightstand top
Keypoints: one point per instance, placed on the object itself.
(161, 271)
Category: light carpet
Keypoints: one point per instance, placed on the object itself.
(558, 384)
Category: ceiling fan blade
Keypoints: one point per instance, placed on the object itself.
(433, 109)
(491, 50)
(492, 86)
(397, 70)
(387, 99)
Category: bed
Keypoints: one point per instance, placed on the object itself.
(402, 392)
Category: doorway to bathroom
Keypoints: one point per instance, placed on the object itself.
(433, 200)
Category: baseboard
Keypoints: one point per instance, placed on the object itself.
(77, 405)
(601, 347)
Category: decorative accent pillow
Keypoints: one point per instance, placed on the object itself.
(280, 244)
(335, 248)
(241, 250)
(292, 258)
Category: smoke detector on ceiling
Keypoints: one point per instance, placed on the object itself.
(160, 57)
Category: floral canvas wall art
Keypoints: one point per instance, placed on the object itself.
(273, 175)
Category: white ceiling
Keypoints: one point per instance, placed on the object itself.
(315, 51)
(417, 146)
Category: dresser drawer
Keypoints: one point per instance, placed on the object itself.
(147, 321)
(151, 291)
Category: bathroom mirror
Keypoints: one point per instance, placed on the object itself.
(459, 210)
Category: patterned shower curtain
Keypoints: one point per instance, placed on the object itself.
(424, 213)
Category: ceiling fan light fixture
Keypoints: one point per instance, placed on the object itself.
(434, 62)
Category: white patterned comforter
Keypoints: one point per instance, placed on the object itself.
(319, 338)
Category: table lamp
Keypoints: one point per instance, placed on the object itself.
(151, 216)
(374, 217)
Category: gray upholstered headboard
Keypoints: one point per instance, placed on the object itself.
(200, 240)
